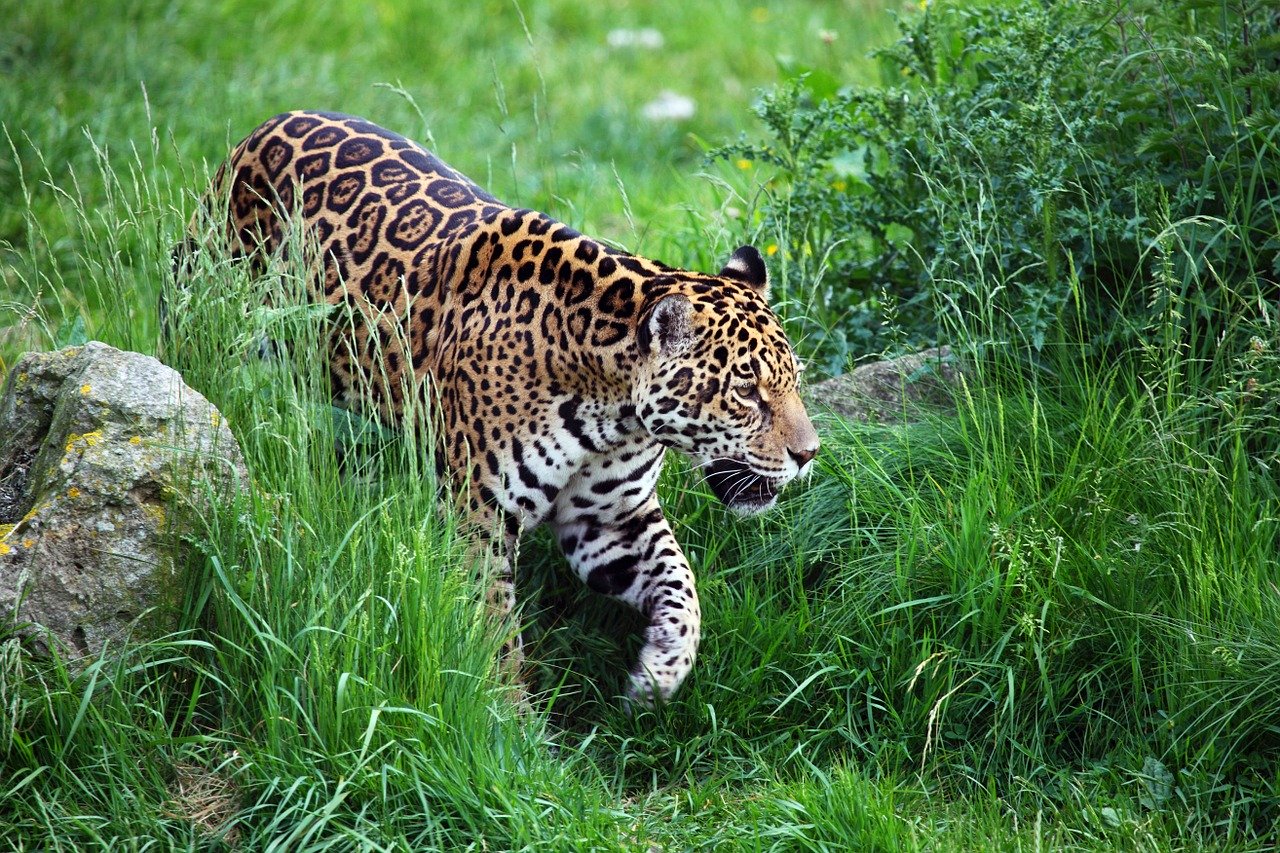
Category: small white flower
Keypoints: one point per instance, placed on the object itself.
(668, 106)
(645, 38)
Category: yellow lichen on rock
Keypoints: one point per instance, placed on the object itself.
(156, 511)
(73, 492)
(34, 510)
(90, 439)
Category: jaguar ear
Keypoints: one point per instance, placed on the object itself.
(669, 329)
(748, 267)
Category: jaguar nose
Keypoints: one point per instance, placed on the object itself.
(803, 456)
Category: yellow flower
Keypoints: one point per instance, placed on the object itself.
(73, 492)
(743, 164)
(838, 186)
(771, 249)
(85, 389)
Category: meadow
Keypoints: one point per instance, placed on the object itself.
(1047, 621)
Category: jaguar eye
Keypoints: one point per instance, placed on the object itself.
(749, 391)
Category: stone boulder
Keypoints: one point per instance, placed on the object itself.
(891, 390)
(103, 453)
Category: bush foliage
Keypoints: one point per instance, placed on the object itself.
(1017, 147)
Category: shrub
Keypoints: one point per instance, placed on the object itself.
(1014, 147)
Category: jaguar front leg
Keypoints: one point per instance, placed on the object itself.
(634, 557)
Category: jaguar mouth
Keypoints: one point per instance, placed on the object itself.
(739, 488)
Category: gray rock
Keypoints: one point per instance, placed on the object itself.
(103, 455)
(892, 390)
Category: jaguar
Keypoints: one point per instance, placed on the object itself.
(556, 369)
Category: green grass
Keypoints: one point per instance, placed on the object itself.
(524, 97)
(1048, 622)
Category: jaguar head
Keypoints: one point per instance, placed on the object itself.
(720, 384)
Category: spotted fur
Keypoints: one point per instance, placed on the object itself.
(560, 370)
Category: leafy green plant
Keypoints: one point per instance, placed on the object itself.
(1014, 145)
